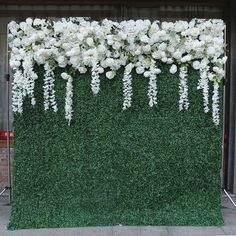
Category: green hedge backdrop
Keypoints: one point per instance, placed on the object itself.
(142, 166)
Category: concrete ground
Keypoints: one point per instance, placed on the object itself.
(229, 213)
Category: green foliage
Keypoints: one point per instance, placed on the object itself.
(143, 166)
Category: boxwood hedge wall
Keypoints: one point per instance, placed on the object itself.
(142, 166)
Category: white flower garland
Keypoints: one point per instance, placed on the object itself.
(108, 45)
(183, 88)
(127, 86)
(69, 96)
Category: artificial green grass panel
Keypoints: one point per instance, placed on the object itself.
(142, 166)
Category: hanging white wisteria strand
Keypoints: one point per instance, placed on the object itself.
(152, 89)
(127, 86)
(152, 85)
(69, 96)
(17, 94)
(30, 76)
(203, 83)
(46, 95)
(215, 104)
(49, 92)
(183, 88)
(95, 82)
(107, 46)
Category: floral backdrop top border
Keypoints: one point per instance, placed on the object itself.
(79, 44)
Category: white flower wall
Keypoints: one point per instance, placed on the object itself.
(107, 46)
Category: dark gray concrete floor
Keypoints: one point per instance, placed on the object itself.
(229, 213)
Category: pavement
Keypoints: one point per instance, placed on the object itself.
(228, 210)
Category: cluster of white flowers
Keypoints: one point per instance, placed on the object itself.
(183, 88)
(107, 46)
(69, 96)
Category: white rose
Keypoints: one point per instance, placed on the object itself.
(90, 41)
(211, 51)
(110, 42)
(196, 65)
(224, 59)
(169, 61)
(211, 76)
(194, 32)
(171, 48)
(208, 24)
(153, 40)
(14, 64)
(156, 54)
(137, 52)
(58, 27)
(110, 74)
(80, 36)
(162, 46)
(186, 58)
(129, 67)
(82, 70)
(65, 76)
(204, 63)
(37, 21)
(144, 38)
(100, 70)
(101, 48)
(122, 35)
(177, 54)
(147, 48)
(29, 21)
(62, 61)
(157, 71)
(173, 69)
(17, 42)
(167, 25)
(116, 45)
(140, 70)
(164, 59)
(146, 74)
